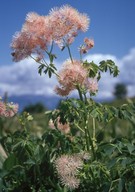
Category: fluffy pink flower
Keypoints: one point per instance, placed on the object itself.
(2, 108)
(65, 22)
(11, 109)
(67, 168)
(8, 109)
(91, 85)
(62, 91)
(37, 26)
(65, 128)
(88, 44)
(70, 76)
(61, 26)
(83, 49)
(33, 38)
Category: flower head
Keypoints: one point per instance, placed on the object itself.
(65, 128)
(88, 44)
(2, 108)
(60, 26)
(8, 109)
(11, 109)
(91, 85)
(68, 21)
(33, 37)
(67, 167)
(72, 74)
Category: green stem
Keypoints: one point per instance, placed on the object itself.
(80, 93)
(66, 45)
(69, 53)
(86, 101)
(94, 133)
(39, 61)
(92, 146)
(86, 136)
(45, 64)
(89, 135)
(110, 189)
(51, 47)
(81, 55)
(79, 128)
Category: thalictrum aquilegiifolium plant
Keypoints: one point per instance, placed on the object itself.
(70, 155)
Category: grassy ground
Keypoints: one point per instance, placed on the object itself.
(40, 122)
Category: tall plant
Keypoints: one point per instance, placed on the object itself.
(71, 148)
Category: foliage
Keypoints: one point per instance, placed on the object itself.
(35, 108)
(120, 91)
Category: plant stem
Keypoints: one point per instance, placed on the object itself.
(94, 133)
(91, 143)
(39, 61)
(51, 47)
(110, 189)
(69, 53)
(86, 136)
(80, 93)
(79, 128)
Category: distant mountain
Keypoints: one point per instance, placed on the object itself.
(50, 102)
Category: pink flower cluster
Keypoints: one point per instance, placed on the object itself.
(8, 109)
(74, 74)
(67, 168)
(88, 44)
(91, 85)
(65, 128)
(60, 26)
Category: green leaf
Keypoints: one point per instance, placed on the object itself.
(51, 58)
(10, 162)
(40, 68)
(109, 65)
(92, 67)
(120, 185)
(130, 147)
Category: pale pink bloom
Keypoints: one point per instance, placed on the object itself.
(61, 26)
(37, 26)
(65, 22)
(11, 109)
(84, 155)
(65, 128)
(70, 40)
(89, 43)
(2, 108)
(67, 167)
(83, 49)
(84, 22)
(33, 38)
(22, 46)
(71, 75)
(91, 85)
(62, 91)
(71, 182)
(8, 109)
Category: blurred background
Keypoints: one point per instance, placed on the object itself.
(112, 26)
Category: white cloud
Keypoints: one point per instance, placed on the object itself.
(127, 69)
(127, 74)
(23, 78)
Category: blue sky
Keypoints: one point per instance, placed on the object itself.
(112, 27)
